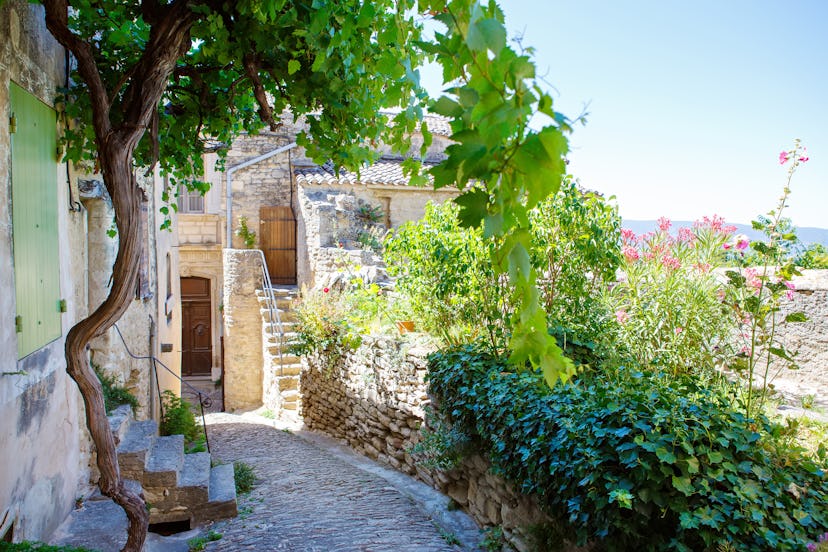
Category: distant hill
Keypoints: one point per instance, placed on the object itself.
(807, 235)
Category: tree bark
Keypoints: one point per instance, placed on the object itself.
(125, 194)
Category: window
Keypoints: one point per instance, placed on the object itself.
(190, 202)
(34, 221)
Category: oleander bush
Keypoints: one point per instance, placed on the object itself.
(637, 460)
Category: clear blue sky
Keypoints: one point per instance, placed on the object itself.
(689, 103)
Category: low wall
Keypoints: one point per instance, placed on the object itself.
(374, 398)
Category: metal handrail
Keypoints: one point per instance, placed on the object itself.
(203, 399)
(273, 308)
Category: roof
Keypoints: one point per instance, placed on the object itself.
(387, 171)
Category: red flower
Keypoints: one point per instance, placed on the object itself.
(326, 290)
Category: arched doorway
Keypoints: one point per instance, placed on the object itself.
(196, 330)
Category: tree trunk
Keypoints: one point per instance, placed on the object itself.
(115, 159)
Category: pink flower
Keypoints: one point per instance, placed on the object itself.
(628, 235)
(752, 279)
(783, 157)
(704, 268)
(742, 244)
(790, 285)
(729, 229)
(721, 295)
(804, 156)
(686, 235)
(670, 262)
(678, 330)
(622, 316)
(789, 294)
(326, 290)
(726, 246)
(630, 253)
(664, 224)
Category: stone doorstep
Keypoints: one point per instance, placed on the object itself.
(165, 462)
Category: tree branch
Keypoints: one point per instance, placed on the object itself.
(251, 67)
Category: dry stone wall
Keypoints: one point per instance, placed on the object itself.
(375, 399)
(809, 339)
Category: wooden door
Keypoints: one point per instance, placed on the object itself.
(196, 327)
(277, 235)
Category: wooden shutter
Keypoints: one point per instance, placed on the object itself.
(35, 221)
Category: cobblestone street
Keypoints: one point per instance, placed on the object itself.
(308, 498)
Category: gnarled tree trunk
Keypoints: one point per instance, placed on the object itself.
(169, 39)
(116, 161)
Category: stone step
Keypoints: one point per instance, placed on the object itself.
(134, 449)
(287, 383)
(290, 405)
(166, 459)
(276, 339)
(285, 370)
(291, 395)
(119, 422)
(286, 358)
(222, 496)
(180, 502)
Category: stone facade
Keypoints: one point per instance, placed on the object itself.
(243, 360)
(375, 398)
(44, 452)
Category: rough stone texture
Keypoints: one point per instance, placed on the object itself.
(307, 499)
(242, 330)
(43, 449)
(809, 338)
(374, 399)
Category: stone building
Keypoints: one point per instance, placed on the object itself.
(308, 220)
(55, 266)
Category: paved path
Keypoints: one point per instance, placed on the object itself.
(313, 496)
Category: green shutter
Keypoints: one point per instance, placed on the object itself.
(34, 220)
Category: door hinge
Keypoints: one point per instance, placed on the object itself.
(18, 324)
(12, 124)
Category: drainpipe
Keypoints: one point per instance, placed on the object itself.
(229, 184)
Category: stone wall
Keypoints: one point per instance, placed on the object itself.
(375, 399)
(43, 448)
(809, 338)
(243, 361)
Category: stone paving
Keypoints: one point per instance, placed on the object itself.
(313, 495)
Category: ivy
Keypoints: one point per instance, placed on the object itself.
(637, 461)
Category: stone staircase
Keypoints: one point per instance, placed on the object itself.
(177, 486)
(281, 368)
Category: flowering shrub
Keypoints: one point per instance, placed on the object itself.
(755, 296)
(668, 312)
(324, 325)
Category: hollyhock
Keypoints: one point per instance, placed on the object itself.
(783, 157)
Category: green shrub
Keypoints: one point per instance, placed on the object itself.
(114, 394)
(178, 419)
(637, 460)
(247, 235)
(197, 544)
(323, 326)
(244, 476)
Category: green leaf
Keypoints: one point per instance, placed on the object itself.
(796, 317)
(486, 33)
(683, 484)
(473, 205)
(293, 66)
(665, 455)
